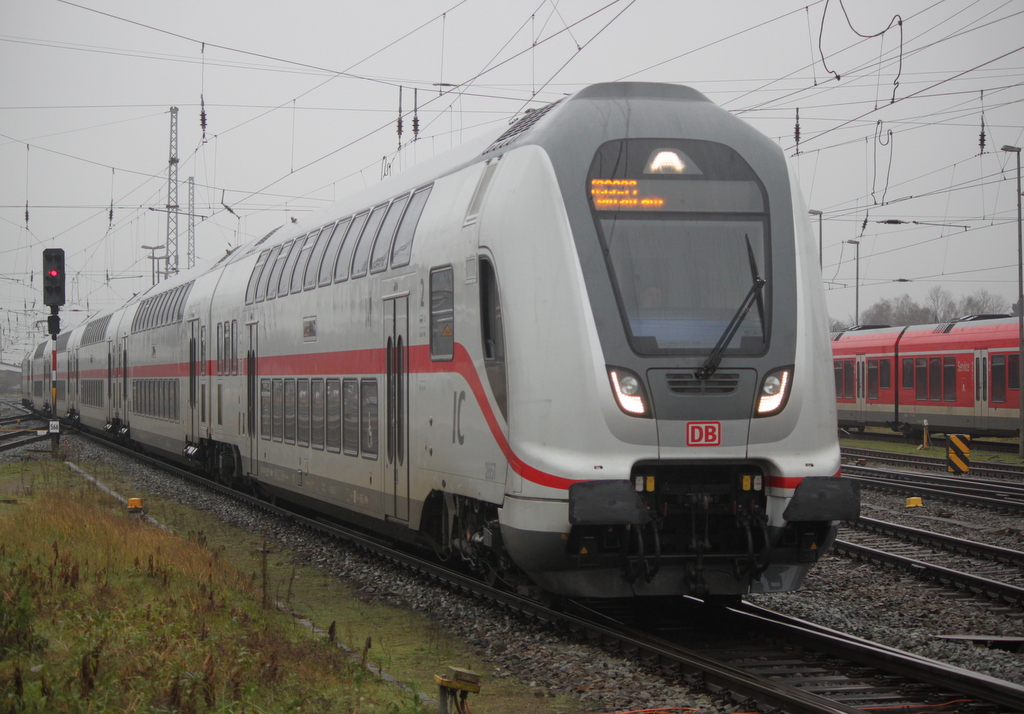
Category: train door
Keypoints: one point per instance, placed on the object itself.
(252, 399)
(121, 393)
(112, 375)
(192, 420)
(73, 382)
(981, 391)
(861, 371)
(396, 407)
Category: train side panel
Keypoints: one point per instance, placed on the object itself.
(958, 377)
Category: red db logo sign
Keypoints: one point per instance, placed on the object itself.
(703, 433)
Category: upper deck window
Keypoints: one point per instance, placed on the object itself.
(686, 234)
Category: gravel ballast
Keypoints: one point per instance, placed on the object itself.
(857, 598)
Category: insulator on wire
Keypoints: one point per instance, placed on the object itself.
(26, 214)
(981, 137)
(796, 130)
(415, 114)
(202, 115)
(399, 118)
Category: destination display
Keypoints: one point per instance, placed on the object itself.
(689, 196)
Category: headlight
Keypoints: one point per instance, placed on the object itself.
(629, 392)
(774, 392)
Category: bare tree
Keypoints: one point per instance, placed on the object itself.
(881, 313)
(940, 304)
(939, 307)
(982, 302)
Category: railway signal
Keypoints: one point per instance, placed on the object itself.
(53, 276)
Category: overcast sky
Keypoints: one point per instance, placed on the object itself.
(301, 101)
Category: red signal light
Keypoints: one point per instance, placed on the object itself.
(54, 273)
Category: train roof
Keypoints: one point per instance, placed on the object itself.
(969, 332)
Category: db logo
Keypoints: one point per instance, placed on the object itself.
(703, 433)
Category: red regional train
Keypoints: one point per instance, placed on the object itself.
(959, 377)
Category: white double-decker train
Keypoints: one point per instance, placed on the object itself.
(590, 354)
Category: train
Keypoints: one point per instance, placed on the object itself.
(956, 377)
(585, 356)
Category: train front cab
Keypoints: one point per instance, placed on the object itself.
(685, 322)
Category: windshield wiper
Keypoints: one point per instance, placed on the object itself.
(753, 295)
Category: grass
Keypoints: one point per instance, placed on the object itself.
(227, 649)
(101, 612)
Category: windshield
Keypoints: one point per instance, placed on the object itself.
(680, 246)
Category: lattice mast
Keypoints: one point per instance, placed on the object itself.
(172, 199)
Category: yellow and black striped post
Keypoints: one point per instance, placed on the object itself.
(958, 453)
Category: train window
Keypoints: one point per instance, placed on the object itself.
(1013, 371)
(278, 410)
(184, 300)
(442, 314)
(220, 357)
(254, 278)
(934, 379)
(884, 379)
(949, 379)
(848, 381)
(316, 404)
(921, 378)
(289, 411)
(382, 246)
(145, 309)
(261, 289)
(220, 404)
(172, 310)
(334, 415)
(265, 408)
(672, 240)
(343, 261)
(401, 253)
(837, 369)
(275, 272)
(362, 251)
(492, 335)
(302, 417)
(977, 379)
(350, 417)
(368, 430)
(908, 373)
(227, 348)
(202, 350)
(160, 313)
(166, 313)
(325, 273)
(999, 378)
(299, 271)
(872, 379)
(234, 347)
(316, 255)
(284, 286)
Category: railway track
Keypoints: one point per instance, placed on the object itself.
(778, 663)
(1001, 447)
(992, 470)
(994, 574)
(1005, 496)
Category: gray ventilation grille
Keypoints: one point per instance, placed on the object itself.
(689, 383)
(521, 126)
